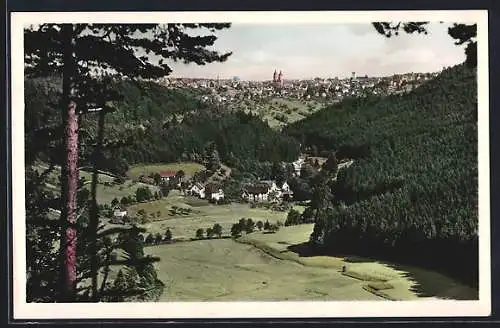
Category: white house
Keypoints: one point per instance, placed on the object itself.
(219, 195)
(285, 187)
(256, 193)
(119, 213)
(167, 176)
(266, 190)
(197, 190)
(118, 216)
(214, 192)
(297, 165)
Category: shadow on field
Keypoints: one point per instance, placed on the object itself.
(304, 250)
(434, 284)
(428, 283)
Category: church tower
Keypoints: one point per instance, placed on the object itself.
(280, 78)
(275, 76)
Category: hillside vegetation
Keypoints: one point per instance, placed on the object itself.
(412, 193)
(156, 124)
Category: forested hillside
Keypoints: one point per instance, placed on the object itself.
(159, 124)
(412, 192)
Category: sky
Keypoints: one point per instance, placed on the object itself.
(325, 51)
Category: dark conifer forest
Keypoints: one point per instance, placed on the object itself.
(412, 192)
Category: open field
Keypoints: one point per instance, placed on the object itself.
(189, 169)
(105, 194)
(199, 214)
(399, 282)
(223, 270)
(292, 109)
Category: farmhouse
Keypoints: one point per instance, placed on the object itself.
(266, 190)
(198, 190)
(297, 165)
(256, 193)
(167, 176)
(214, 192)
(118, 215)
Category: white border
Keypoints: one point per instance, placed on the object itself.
(177, 310)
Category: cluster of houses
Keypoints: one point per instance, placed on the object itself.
(266, 191)
(210, 191)
(335, 88)
(261, 191)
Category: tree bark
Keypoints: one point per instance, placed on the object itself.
(69, 181)
(69, 173)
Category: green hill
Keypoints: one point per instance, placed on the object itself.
(157, 124)
(412, 193)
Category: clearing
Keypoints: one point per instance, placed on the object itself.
(386, 279)
(223, 270)
(189, 169)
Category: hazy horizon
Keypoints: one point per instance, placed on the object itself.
(324, 51)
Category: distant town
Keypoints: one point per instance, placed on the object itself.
(328, 89)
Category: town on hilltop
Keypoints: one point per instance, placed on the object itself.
(327, 89)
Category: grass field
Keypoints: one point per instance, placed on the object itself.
(201, 215)
(293, 109)
(405, 282)
(105, 194)
(189, 169)
(223, 270)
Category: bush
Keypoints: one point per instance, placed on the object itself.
(168, 235)
(293, 218)
(200, 233)
(260, 225)
(236, 230)
(249, 225)
(149, 239)
(267, 225)
(143, 194)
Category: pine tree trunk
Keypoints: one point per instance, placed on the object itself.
(69, 173)
(69, 181)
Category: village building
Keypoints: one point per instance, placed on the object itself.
(197, 190)
(297, 165)
(267, 191)
(214, 192)
(167, 176)
(118, 215)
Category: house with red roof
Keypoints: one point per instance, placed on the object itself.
(167, 176)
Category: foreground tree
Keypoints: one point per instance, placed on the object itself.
(88, 57)
(217, 230)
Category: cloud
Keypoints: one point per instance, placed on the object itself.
(361, 29)
(326, 50)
